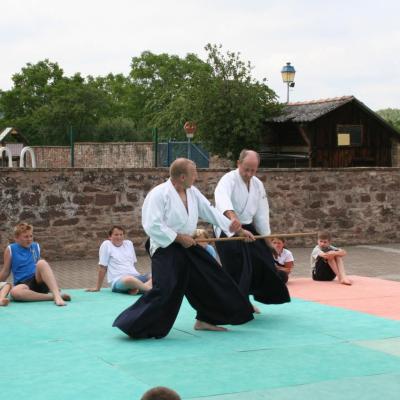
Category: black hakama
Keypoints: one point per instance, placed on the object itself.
(252, 266)
(178, 272)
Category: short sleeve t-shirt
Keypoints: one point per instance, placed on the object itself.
(316, 251)
(119, 260)
(284, 257)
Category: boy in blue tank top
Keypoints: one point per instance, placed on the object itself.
(34, 279)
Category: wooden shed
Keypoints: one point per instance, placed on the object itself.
(330, 133)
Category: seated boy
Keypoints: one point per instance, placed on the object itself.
(34, 279)
(117, 259)
(5, 288)
(327, 261)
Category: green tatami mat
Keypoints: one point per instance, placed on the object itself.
(73, 352)
(377, 387)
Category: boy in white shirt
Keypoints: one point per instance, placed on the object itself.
(327, 261)
(117, 259)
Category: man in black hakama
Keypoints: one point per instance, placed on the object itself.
(241, 196)
(180, 267)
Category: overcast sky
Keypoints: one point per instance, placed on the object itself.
(342, 47)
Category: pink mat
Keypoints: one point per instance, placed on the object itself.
(369, 295)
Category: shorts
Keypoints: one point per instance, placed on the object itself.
(119, 287)
(322, 271)
(34, 285)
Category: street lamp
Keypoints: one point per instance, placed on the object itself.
(288, 72)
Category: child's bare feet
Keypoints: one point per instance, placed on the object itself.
(65, 297)
(346, 282)
(256, 310)
(205, 326)
(4, 302)
(61, 299)
(59, 302)
(133, 292)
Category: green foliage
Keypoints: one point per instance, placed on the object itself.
(165, 81)
(233, 105)
(43, 104)
(119, 129)
(392, 116)
(161, 90)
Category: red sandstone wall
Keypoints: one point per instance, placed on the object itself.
(72, 209)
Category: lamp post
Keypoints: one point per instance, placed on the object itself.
(288, 72)
(190, 129)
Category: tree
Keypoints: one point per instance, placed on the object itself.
(229, 106)
(161, 90)
(163, 86)
(232, 105)
(31, 91)
(43, 104)
(392, 116)
(73, 102)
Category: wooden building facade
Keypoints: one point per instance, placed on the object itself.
(330, 133)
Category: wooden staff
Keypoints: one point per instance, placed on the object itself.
(229, 239)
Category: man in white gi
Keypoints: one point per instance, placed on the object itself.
(181, 267)
(241, 196)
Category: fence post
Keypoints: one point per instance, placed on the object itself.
(71, 140)
(155, 143)
(168, 152)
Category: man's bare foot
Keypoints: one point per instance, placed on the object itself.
(256, 310)
(4, 302)
(205, 326)
(133, 292)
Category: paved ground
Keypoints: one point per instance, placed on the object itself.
(380, 261)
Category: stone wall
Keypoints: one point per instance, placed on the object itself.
(72, 209)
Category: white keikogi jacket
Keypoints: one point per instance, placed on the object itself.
(250, 206)
(164, 215)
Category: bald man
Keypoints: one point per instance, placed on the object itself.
(241, 197)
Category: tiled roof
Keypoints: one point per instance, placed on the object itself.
(307, 111)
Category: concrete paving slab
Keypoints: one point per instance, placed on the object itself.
(360, 260)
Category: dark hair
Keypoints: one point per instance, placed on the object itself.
(160, 393)
(120, 228)
(324, 235)
(282, 239)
